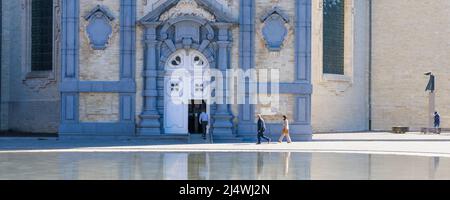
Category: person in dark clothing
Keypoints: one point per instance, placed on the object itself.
(437, 120)
(262, 130)
(204, 121)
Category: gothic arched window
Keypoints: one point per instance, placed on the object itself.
(41, 35)
(333, 36)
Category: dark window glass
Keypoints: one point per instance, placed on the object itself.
(42, 35)
(333, 36)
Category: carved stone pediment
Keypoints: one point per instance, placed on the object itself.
(99, 29)
(209, 10)
(187, 8)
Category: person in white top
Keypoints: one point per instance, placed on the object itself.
(285, 132)
(204, 121)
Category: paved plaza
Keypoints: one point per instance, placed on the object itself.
(365, 143)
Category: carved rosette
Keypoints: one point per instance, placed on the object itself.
(99, 29)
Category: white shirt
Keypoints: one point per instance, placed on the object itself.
(204, 117)
(286, 124)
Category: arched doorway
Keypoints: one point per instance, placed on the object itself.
(186, 91)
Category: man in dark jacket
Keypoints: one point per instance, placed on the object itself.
(437, 122)
(262, 130)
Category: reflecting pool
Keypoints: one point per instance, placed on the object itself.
(219, 166)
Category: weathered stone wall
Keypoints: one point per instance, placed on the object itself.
(340, 103)
(4, 79)
(409, 39)
(29, 104)
(99, 107)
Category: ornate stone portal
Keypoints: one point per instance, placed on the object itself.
(190, 26)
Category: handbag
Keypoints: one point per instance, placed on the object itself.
(285, 131)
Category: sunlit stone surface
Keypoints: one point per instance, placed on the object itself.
(222, 166)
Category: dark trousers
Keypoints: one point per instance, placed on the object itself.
(204, 128)
(437, 124)
(262, 136)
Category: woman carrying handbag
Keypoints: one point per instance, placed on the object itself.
(285, 132)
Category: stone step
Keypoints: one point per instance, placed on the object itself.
(198, 139)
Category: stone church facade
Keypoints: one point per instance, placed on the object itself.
(103, 67)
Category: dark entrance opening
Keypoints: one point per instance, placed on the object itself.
(196, 107)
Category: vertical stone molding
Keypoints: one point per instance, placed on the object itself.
(223, 127)
(301, 128)
(128, 61)
(150, 118)
(246, 56)
(69, 54)
(303, 40)
(128, 39)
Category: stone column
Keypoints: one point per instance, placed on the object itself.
(223, 127)
(431, 108)
(150, 117)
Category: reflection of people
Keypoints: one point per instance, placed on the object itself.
(204, 121)
(287, 159)
(262, 130)
(434, 166)
(285, 132)
(260, 164)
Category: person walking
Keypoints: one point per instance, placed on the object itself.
(285, 132)
(437, 122)
(262, 130)
(204, 121)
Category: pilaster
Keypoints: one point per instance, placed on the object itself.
(223, 127)
(150, 118)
